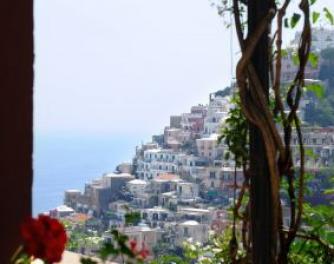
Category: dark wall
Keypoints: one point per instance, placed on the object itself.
(16, 82)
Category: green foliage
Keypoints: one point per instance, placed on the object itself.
(329, 191)
(169, 260)
(87, 261)
(132, 218)
(215, 251)
(295, 58)
(284, 53)
(119, 247)
(313, 59)
(315, 242)
(315, 17)
(294, 20)
(77, 239)
(310, 153)
(316, 88)
(308, 252)
(224, 92)
(23, 259)
(235, 134)
(329, 16)
(286, 22)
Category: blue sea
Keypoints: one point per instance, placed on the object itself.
(68, 162)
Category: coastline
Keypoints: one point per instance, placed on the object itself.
(65, 162)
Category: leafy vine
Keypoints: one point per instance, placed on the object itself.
(253, 108)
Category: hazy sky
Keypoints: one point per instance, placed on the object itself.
(123, 66)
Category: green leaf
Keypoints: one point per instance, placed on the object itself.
(132, 218)
(310, 153)
(295, 59)
(312, 1)
(315, 17)
(294, 20)
(317, 89)
(107, 250)
(329, 191)
(313, 59)
(329, 16)
(286, 23)
(284, 53)
(330, 237)
(87, 261)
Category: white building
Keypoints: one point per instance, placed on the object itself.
(173, 137)
(207, 147)
(218, 109)
(157, 162)
(187, 191)
(137, 187)
(192, 230)
(157, 216)
(190, 166)
(61, 211)
(203, 216)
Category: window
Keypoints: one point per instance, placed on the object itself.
(212, 175)
(212, 184)
(186, 231)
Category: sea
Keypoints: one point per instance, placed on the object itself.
(64, 162)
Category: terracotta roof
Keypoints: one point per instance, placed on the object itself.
(167, 177)
(78, 217)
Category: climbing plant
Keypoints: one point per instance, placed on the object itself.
(277, 121)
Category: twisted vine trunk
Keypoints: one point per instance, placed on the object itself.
(263, 221)
(270, 157)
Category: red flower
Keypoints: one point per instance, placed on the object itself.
(143, 253)
(133, 245)
(44, 238)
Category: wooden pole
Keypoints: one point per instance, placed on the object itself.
(16, 91)
(263, 238)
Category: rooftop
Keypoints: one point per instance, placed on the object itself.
(193, 209)
(139, 228)
(64, 208)
(138, 182)
(118, 175)
(156, 209)
(190, 223)
(168, 194)
(78, 217)
(212, 137)
(167, 177)
(73, 191)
